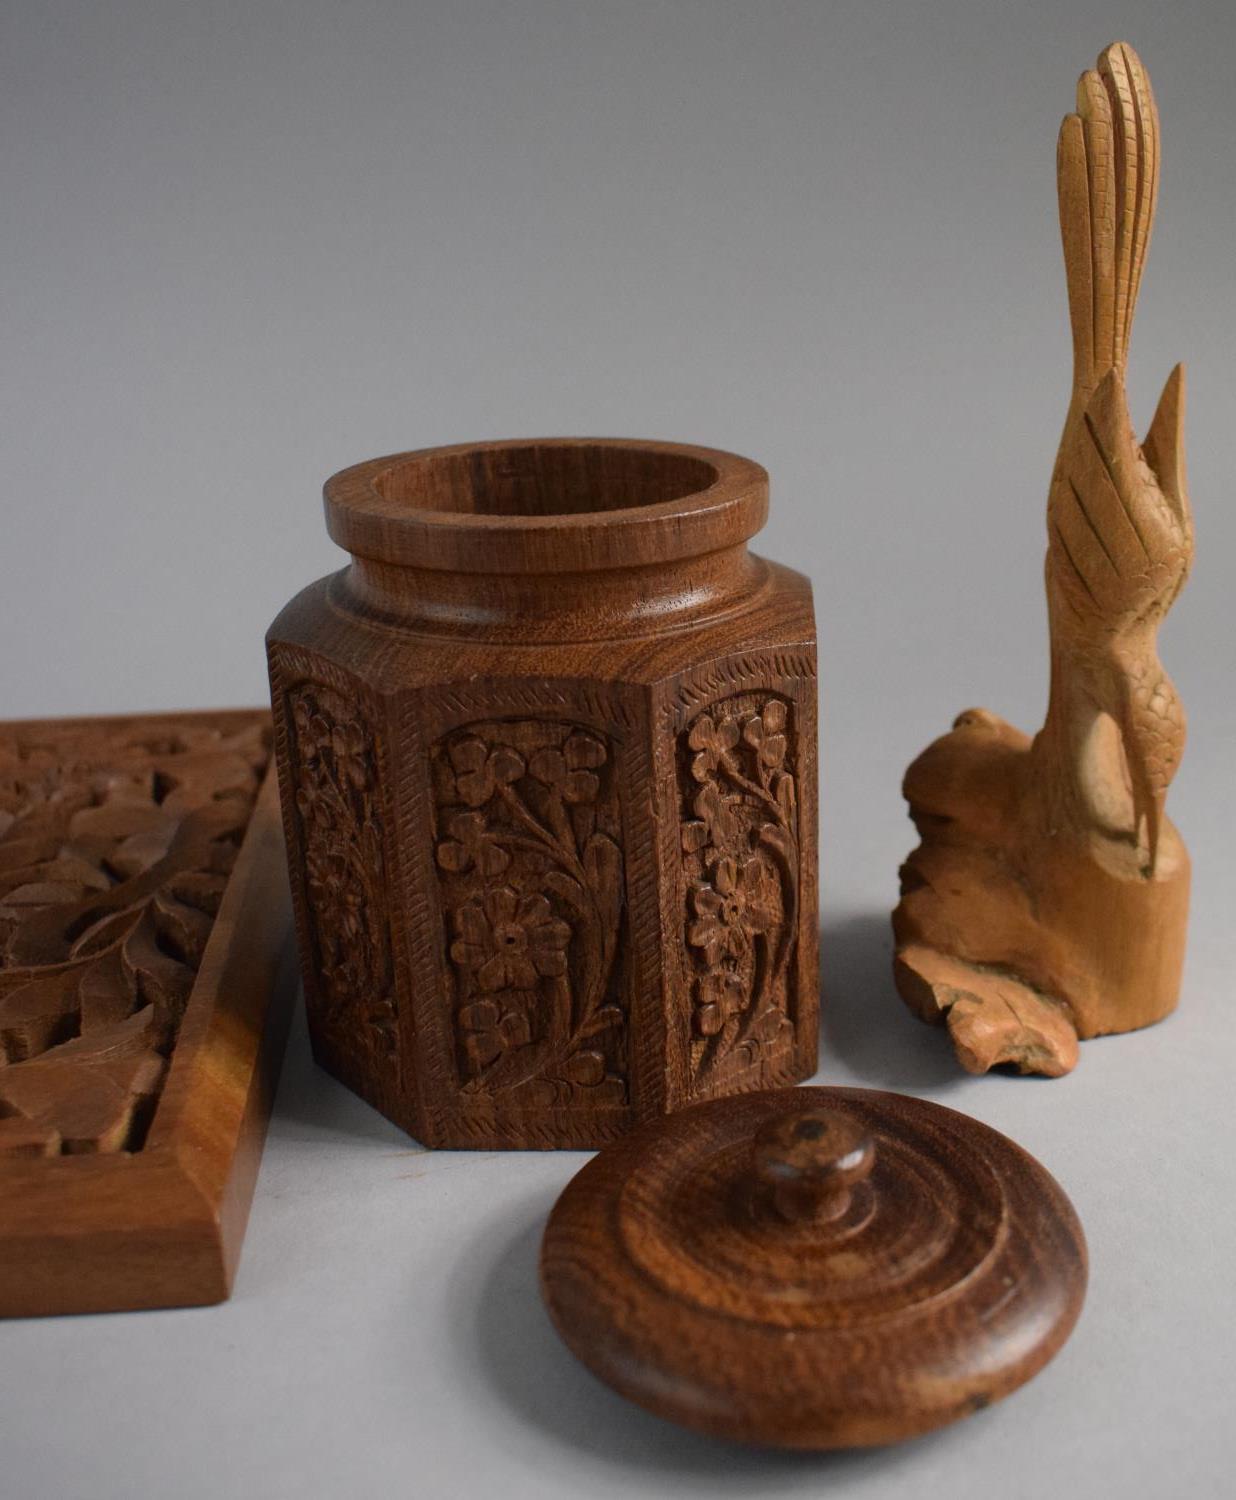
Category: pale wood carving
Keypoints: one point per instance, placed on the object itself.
(1048, 899)
(142, 911)
(547, 750)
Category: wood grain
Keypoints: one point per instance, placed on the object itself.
(547, 756)
(143, 914)
(814, 1268)
(1048, 900)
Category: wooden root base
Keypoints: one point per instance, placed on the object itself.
(992, 1017)
(1019, 936)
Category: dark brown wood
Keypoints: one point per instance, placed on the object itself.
(814, 1268)
(1049, 898)
(547, 756)
(143, 914)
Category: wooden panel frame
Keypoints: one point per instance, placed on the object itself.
(163, 1226)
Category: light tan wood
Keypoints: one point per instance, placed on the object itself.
(144, 914)
(547, 749)
(1049, 897)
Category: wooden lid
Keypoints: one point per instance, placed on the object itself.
(814, 1267)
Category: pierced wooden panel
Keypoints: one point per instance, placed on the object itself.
(115, 849)
(143, 911)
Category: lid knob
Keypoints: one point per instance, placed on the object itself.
(810, 1160)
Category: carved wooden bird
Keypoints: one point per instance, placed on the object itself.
(1120, 531)
(1048, 898)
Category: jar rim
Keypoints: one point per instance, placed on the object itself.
(527, 505)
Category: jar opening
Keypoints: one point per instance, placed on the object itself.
(547, 505)
(535, 479)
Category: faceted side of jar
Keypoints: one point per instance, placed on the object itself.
(536, 904)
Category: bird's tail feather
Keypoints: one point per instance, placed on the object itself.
(1108, 180)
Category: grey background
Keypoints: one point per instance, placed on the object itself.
(247, 244)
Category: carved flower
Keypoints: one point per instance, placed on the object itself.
(765, 733)
(569, 770)
(348, 977)
(729, 909)
(714, 745)
(717, 823)
(313, 799)
(323, 872)
(336, 892)
(352, 910)
(312, 730)
(718, 998)
(471, 843)
(488, 1031)
(302, 717)
(479, 771)
(509, 940)
(347, 740)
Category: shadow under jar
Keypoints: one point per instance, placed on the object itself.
(547, 751)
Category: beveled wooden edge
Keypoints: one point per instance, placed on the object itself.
(163, 1227)
(366, 524)
(234, 718)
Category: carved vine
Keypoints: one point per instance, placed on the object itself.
(528, 851)
(116, 842)
(336, 791)
(741, 867)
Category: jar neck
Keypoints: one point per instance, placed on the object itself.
(540, 607)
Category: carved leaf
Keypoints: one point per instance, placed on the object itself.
(603, 863)
(601, 1020)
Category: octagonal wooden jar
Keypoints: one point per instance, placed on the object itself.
(547, 753)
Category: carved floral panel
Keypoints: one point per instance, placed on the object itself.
(739, 812)
(335, 777)
(528, 851)
(116, 842)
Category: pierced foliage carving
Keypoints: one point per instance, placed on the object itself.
(116, 842)
(740, 865)
(340, 819)
(528, 849)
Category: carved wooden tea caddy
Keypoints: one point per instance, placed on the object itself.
(814, 1268)
(1049, 897)
(547, 752)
